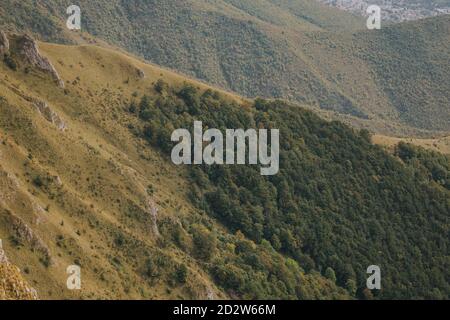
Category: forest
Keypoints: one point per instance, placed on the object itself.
(338, 205)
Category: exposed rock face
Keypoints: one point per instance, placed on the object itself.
(26, 234)
(12, 284)
(140, 73)
(50, 115)
(210, 295)
(3, 258)
(30, 50)
(4, 43)
(153, 211)
(43, 108)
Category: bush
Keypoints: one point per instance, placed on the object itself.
(204, 242)
(230, 277)
(10, 62)
(38, 181)
(145, 108)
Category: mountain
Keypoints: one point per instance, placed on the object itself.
(392, 81)
(81, 186)
(86, 179)
(395, 10)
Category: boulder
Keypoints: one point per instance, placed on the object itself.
(152, 209)
(140, 73)
(51, 116)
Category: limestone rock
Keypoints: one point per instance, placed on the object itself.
(210, 295)
(43, 108)
(50, 115)
(26, 234)
(12, 285)
(140, 73)
(3, 258)
(29, 49)
(152, 209)
(4, 43)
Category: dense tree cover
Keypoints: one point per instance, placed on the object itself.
(415, 86)
(338, 204)
(430, 165)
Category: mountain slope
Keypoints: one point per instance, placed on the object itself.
(86, 179)
(395, 10)
(78, 187)
(301, 51)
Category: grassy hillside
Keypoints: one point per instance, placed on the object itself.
(95, 194)
(101, 192)
(392, 81)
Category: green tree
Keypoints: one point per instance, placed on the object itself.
(329, 274)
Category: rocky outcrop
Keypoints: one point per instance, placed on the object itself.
(12, 285)
(25, 234)
(152, 209)
(43, 108)
(140, 73)
(29, 49)
(3, 258)
(4, 43)
(8, 186)
(210, 295)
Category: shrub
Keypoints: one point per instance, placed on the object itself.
(161, 86)
(181, 274)
(10, 62)
(330, 274)
(204, 242)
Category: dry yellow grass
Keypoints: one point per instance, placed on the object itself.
(438, 144)
(122, 65)
(93, 172)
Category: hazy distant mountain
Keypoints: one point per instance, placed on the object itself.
(395, 10)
